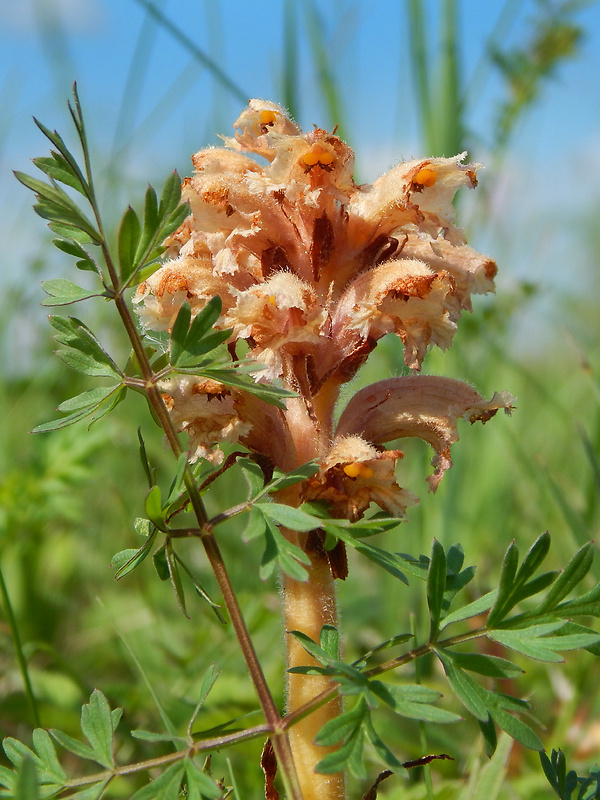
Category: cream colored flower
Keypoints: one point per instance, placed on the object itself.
(313, 269)
(208, 411)
(355, 474)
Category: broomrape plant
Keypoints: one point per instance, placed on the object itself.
(279, 276)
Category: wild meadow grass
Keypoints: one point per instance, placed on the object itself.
(68, 499)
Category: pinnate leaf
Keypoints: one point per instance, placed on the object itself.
(63, 292)
(97, 727)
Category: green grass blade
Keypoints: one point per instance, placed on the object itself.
(289, 67)
(23, 667)
(420, 70)
(326, 79)
(449, 122)
(198, 54)
(170, 726)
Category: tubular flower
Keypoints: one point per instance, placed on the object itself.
(355, 474)
(313, 269)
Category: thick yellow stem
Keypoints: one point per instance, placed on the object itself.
(307, 607)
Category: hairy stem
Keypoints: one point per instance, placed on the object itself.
(307, 607)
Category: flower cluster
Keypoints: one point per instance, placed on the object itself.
(312, 270)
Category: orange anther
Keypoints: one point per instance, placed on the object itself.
(352, 470)
(318, 155)
(355, 469)
(425, 177)
(310, 159)
(267, 117)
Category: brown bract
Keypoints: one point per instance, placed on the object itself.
(313, 269)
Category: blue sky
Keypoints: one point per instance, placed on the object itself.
(148, 121)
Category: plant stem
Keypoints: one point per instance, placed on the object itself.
(307, 607)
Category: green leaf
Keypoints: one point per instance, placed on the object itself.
(115, 717)
(588, 605)
(73, 745)
(64, 422)
(507, 577)
(253, 474)
(517, 729)
(533, 559)
(256, 525)
(492, 666)
(490, 737)
(180, 332)
(201, 592)
(16, 751)
(382, 750)
(96, 724)
(349, 727)
(89, 356)
(160, 564)
(208, 681)
(7, 778)
(59, 169)
(71, 232)
(62, 292)
(279, 552)
(290, 517)
(401, 638)
(127, 560)
(283, 480)
(436, 586)
(414, 701)
(45, 749)
(54, 204)
(165, 787)
(128, 241)
(535, 643)
(154, 509)
(151, 223)
(264, 391)
(174, 221)
(348, 757)
(388, 561)
(572, 575)
(89, 399)
(60, 145)
(204, 321)
(199, 785)
(170, 196)
(85, 261)
(94, 792)
(315, 650)
(470, 694)
(342, 726)
(473, 609)
(329, 639)
(27, 785)
(175, 578)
